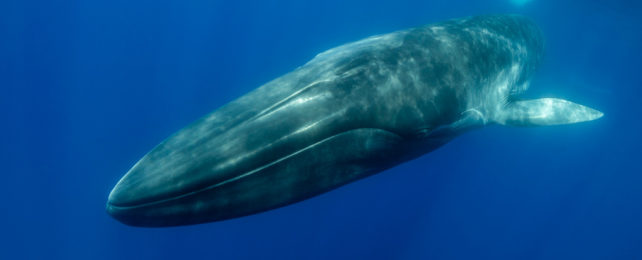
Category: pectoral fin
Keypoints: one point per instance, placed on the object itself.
(545, 111)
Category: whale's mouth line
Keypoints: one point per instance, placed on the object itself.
(236, 178)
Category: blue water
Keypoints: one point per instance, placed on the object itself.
(88, 87)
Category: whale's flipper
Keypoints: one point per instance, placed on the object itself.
(545, 111)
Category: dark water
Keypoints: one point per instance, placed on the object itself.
(88, 87)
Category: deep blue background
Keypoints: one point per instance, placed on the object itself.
(88, 87)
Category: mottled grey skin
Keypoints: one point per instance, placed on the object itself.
(351, 112)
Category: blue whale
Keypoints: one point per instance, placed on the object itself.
(352, 111)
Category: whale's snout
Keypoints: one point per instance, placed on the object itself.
(300, 174)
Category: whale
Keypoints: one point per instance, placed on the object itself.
(350, 112)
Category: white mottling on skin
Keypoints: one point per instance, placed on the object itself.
(436, 29)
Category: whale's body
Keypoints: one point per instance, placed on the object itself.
(352, 111)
